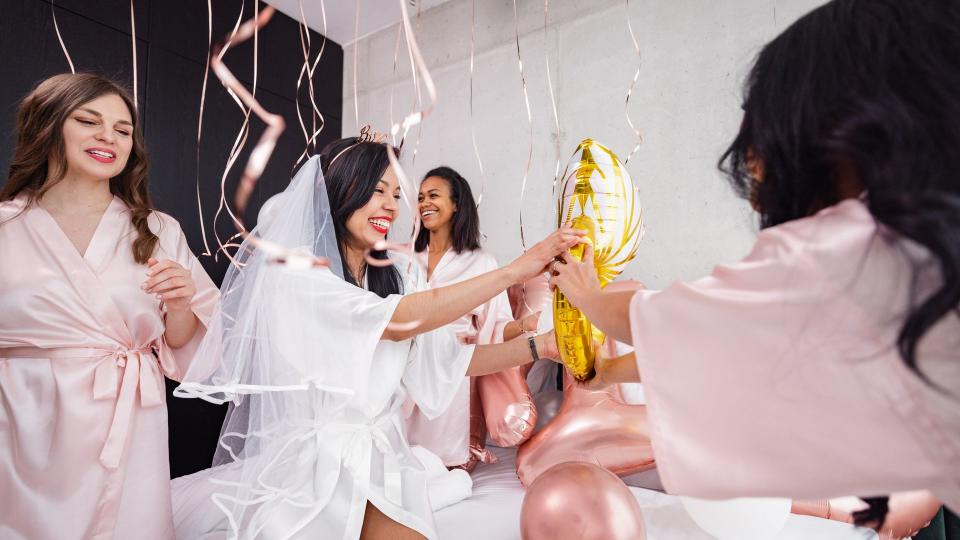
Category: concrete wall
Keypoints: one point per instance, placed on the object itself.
(695, 54)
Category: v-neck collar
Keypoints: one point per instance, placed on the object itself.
(443, 259)
(99, 246)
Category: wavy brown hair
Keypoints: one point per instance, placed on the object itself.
(39, 159)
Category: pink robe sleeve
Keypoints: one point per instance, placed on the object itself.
(779, 375)
(174, 361)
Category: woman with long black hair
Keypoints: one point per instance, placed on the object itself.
(827, 362)
(319, 362)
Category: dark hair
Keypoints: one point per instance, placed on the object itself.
(465, 228)
(867, 87)
(39, 159)
(351, 172)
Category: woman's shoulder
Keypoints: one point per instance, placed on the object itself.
(13, 207)
(163, 224)
(832, 233)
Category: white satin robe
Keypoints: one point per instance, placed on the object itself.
(449, 435)
(339, 456)
(779, 375)
(83, 418)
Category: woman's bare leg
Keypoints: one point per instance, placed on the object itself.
(377, 526)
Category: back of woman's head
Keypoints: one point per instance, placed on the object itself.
(352, 168)
(39, 160)
(862, 94)
(465, 223)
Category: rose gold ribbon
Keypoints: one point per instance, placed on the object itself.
(526, 101)
(636, 76)
(473, 127)
(308, 69)
(133, 40)
(203, 98)
(56, 28)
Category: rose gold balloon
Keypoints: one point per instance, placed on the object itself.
(508, 408)
(908, 512)
(580, 501)
(593, 426)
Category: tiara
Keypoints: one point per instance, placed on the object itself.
(367, 135)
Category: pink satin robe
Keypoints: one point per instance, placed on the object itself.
(779, 375)
(449, 435)
(83, 419)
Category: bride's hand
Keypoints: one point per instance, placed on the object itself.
(536, 259)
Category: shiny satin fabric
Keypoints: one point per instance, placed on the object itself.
(784, 368)
(82, 361)
(593, 426)
(508, 408)
(458, 435)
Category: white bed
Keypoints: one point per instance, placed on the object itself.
(493, 512)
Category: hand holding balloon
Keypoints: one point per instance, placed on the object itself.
(576, 278)
(536, 259)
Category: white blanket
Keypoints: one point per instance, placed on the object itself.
(493, 512)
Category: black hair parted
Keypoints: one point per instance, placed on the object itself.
(352, 168)
(862, 89)
(465, 226)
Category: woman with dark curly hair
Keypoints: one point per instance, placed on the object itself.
(827, 362)
(100, 297)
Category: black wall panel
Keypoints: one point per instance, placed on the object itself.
(171, 56)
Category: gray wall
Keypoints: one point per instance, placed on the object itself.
(686, 103)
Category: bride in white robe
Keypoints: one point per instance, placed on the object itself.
(317, 369)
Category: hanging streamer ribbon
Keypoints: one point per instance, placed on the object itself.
(526, 100)
(396, 58)
(133, 39)
(407, 189)
(203, 98)
(356, 49)
(308, 69)
(473, 127)
(216, 58)
(636, 76)
(553, 98)
(261, 153)
(56, 28)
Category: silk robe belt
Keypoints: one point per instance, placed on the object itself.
(354, 439)
(140, 372)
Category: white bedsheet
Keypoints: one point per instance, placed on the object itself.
(493, 512)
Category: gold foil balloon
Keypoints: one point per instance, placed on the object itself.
(595, 194)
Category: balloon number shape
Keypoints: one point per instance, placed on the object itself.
(596, 194)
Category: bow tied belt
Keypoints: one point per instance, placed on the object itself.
(120, 373)
(358, 436)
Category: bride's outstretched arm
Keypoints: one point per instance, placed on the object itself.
(434, 308)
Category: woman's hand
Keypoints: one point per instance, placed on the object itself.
(536, 259)
(599, 380)
(577, 279)
(171, 283)
(547, 346)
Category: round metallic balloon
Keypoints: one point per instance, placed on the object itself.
(580, 501)
(595, 194)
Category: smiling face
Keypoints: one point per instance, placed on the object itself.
(436, 204)
(371, 222)
(98, 138)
